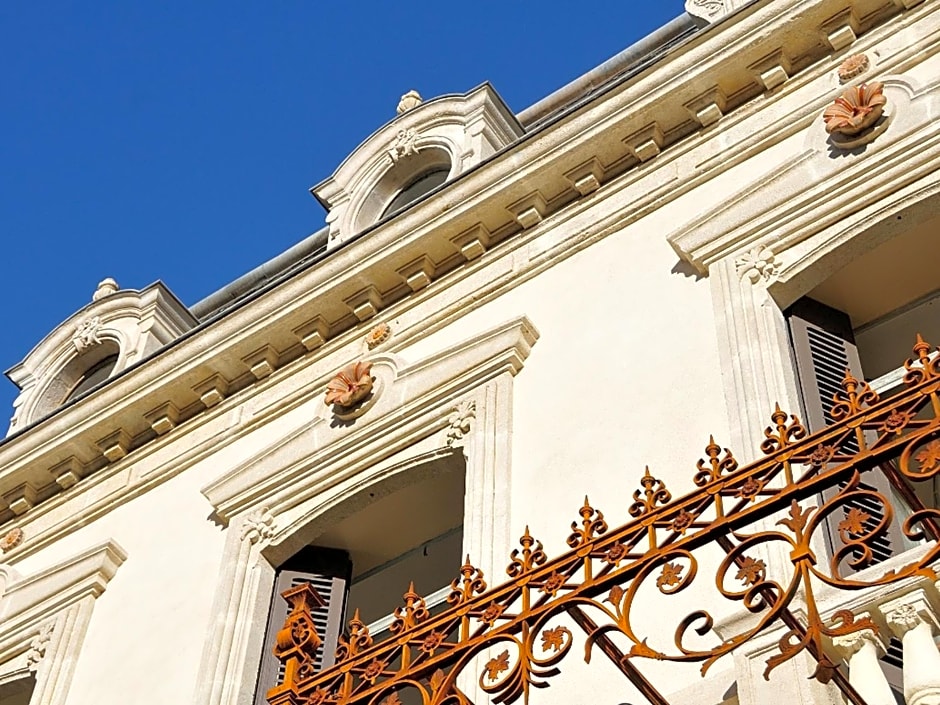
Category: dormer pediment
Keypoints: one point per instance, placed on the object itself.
(118, 328)
(425, 146)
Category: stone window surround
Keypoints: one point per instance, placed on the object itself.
(45, 616)
(129, 323)
(452, 131)
(461, 397)
(781, 239)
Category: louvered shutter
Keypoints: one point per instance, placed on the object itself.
(824, 346)
(328, 571)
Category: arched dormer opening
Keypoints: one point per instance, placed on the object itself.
(408, 180)
(428, 144)
(421, 185)
(80, 374)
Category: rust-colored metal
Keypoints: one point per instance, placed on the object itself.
(350, 385)
(296, 644)
(514, 637)
(856, 109)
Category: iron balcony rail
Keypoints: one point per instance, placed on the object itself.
(506, 640)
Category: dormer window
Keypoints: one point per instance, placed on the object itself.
(428, 143)
(118, 328)
(422, 185)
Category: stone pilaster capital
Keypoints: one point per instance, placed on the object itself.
(909, 611)
(258, 526)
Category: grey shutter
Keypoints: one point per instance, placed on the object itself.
(824, 347)
(328, 571)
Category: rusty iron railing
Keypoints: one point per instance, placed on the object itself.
(514, 637)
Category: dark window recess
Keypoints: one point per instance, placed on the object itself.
(328, 571)
(893, 666)
(95, 375)
(17, 692)
(824, 347)
(427, 182)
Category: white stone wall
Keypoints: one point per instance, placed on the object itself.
(633, 343)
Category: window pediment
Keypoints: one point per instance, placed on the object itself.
(451, 133)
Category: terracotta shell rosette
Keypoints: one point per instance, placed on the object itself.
(12, 539)
(378, 335)
(857, 109)
(853, 66)
(350, 386)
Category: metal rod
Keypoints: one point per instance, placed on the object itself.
(619, 658)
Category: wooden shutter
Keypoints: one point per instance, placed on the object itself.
(328, 571)
(824, 347)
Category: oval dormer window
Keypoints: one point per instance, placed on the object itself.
(93, 376)
(418, 187)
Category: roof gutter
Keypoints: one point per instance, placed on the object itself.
(232, 291)
(587, 82)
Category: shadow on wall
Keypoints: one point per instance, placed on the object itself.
(687, 270)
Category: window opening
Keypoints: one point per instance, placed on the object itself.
(824, 346)
(95, 375)
(422, 185)
(366, 559)
(18, 691)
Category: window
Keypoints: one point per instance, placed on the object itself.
(423, 184)
(824, 347)
(16, 691)
(369, 552)
(94, 375)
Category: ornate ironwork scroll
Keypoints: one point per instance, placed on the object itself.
(517, 635)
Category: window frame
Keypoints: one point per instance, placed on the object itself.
(267, 510)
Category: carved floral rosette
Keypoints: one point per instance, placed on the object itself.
(854, 115)
(853, 66)
(13, 538)
(350, 386)
(378, 335)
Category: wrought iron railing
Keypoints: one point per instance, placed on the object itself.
(516, 636)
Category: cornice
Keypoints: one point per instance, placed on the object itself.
(497, 201)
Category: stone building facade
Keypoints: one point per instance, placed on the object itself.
(503, 313)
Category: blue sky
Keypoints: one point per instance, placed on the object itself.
(177, 141)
